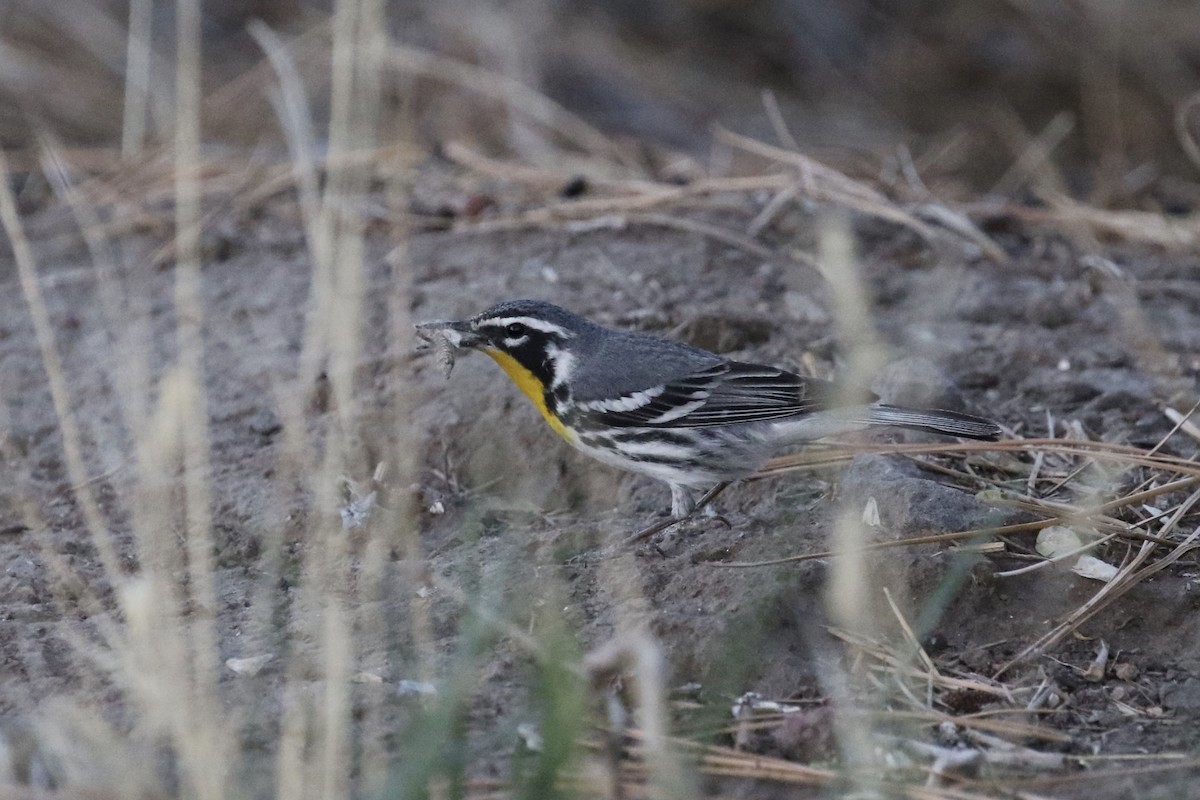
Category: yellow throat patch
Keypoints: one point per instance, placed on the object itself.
(532, 387)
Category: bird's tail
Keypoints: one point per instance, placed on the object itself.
(834, 422)
(934, 420)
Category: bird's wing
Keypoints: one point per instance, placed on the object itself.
(720, 394)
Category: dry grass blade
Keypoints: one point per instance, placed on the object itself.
(1181, 761)
(633, 194)
(728, 762)
(1035, 161)
(292, 108)
(725, 762)
(546, 178)
(898, 663)
(640, 655)
(137, 79)
(52, 363)
(708, 231)
(199, 735)
(937, 538)
(1004, 727)
(1065, 446)
(823, 178)
(1178, 233)
(1183, 422)
(823, 183)
(1058, 558)
(1183, 128)
(1072, 447)
(910, 636)
(778, 124)
(961, 225)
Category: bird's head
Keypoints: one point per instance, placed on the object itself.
(531, 334)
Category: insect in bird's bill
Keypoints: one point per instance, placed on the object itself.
(683, 415)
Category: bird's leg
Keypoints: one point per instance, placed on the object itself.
(711, 495)
(683, 505)
(682, 502)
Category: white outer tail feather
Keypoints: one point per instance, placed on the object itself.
(845, 420)
(935, 420)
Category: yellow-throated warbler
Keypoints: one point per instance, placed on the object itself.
(665, 409)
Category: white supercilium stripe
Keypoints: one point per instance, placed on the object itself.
(529, 322)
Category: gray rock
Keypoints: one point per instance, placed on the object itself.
(922, 578)
(911, 503)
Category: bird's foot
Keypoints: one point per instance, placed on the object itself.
(683, 507)
(721, 518)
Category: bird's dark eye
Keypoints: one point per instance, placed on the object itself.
(516, 329)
